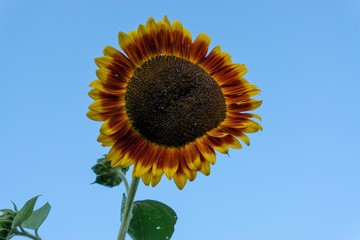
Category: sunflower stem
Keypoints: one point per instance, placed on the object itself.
(128, 208)
(122, 175)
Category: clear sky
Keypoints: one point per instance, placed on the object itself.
(298, 180)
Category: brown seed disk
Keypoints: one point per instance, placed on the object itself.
(171, 101)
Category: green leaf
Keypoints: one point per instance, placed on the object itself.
(24, 213)
(37, 217)
(151, 220)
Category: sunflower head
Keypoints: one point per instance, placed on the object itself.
(168, 103)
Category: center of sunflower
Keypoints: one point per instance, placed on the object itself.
(171, 101)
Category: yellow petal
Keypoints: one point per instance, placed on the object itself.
(104, 62)
(140, 169)
(205, 168)
(244, 138)
(124, 41)
(155, 180)
(110, 51)
(146, 178)
(180, 180)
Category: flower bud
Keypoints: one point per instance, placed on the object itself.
(105, 174)
(6, 219)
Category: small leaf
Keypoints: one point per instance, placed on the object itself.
(24, 213)
(15, 207)
(37, 217)
(151, 220)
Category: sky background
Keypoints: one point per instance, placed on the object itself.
(298, 180)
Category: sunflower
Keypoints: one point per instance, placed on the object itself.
(168, 103)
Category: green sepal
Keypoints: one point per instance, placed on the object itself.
(151, 220)
(106, 175)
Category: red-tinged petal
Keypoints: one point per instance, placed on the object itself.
(186, 44)
(205, 167)
(107, 105)
(238, 88)
(104, 62)
(230, 75)
(206, 151)
(164, 38)
(192, 156)
(94, 93)
(166, 21)
(115, 137)
(244, 138)
(217, 133)
(216, 61)
(130, 48)
(106, 140)
(180, 180)
(249, 105)
(97, 116)
(242, 97)
(183, 173)
(199, 48)
(117, 152)
(145, 159)
(159, 161)
(231, 142)
(178, 34)
(114, 124)
(151, 24)
(97, 84)
(143, 162)
(217, 144)
(151, 29)
(239, 123)
(172, 162)
(190, 174)
(123, 161)
(120, 58)
(211, 59)
(145, 42)
(251, 129)
(237, 115)
(155, 180)
(110, 80)
(237, 133)
(146, 178)
(129, 147)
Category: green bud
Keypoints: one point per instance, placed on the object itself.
(6, 219)
(106, 175)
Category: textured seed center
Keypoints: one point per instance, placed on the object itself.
(171, 101)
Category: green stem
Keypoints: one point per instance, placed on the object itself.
(122, 175)
(128, 208)
(25, 233)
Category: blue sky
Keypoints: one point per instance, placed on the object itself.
(298, 180)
